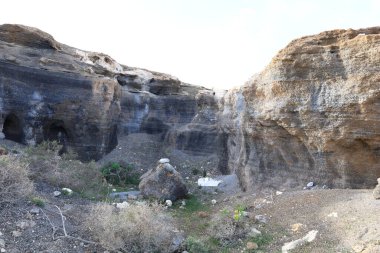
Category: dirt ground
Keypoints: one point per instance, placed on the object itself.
(346, 220)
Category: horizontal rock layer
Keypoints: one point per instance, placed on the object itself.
(312, 115)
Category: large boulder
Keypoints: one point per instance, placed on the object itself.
(163, 183)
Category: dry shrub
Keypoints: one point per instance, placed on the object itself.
(137, 228)
(65, 171)
(14, 181)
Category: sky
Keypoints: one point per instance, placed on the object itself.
(214, 43)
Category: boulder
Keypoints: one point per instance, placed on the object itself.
(163, 183)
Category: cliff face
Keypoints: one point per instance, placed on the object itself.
(86, 100)
(312, 115)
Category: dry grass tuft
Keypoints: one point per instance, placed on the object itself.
(137, 228)
(14, 181)
(65, 171)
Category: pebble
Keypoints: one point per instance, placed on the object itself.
(16, 233)
(261, 218)
(56, 193)
(252, 245)
(34, 210)
(254, 232)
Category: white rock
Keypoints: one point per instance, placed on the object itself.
(67, 191)
(164, 160)
(310, 184)
(309, 237)
(56, 193)
(333, 214)
(279, 193)
(34, 210)
(122, 205)
(254, 232)
(261, 218)
(169, 203)
(206, 181)
(16, 233)
(213, 201)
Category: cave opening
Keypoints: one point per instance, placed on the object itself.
(56, 132)
(12, 129)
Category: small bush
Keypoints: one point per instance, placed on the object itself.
(194, 245)
(120, 174)
(137, 228)
(14, 180)
(38, 201)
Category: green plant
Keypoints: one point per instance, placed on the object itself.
(194, 245)
(121, 175)
(38, 201)
(195, 171)
(238, 212)
(262, 240)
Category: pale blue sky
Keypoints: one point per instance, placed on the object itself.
(214, 43)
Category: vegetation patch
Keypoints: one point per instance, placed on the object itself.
(120, 174)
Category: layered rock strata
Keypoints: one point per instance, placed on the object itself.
(312, 115)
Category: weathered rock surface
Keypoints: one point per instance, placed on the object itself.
(163, 182)
(312, 114)
(85, 100)
(376, 191)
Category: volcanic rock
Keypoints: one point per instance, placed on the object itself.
(163, 182)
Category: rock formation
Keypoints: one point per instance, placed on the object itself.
(85, 100)
(163, 182)
(312, 115)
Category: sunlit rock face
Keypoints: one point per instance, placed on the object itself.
(312, 115)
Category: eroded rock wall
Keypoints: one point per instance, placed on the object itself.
(312, 115)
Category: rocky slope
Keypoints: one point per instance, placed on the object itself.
(312, 115)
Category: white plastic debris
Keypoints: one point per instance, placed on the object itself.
(213, 201)
(207, 181)
(309, 237)
(279, 193)
(169, 203)
(310, 184)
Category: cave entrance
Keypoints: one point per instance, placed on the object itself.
(56, 132)
(12, 129)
